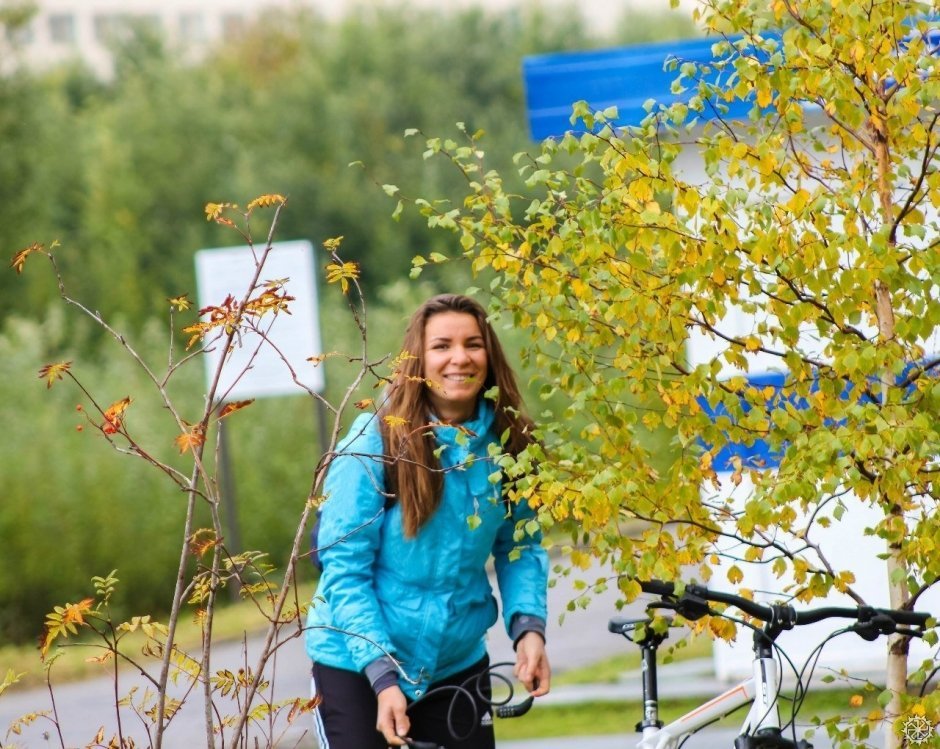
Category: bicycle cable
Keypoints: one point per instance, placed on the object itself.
(480, 681)
(870, 623)
(781, 656)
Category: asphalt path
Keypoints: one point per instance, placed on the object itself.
(575, 638)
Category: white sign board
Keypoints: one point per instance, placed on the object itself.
(259, 367)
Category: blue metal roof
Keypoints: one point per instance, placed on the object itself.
(625, 77)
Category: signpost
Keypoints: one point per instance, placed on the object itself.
(256, 368)
(270, 362)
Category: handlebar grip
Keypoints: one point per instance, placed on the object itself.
(658, 587)
(911, 618)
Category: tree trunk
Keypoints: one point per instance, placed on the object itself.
(896, 667)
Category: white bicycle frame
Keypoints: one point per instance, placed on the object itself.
(761, 690)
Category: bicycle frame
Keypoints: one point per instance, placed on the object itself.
(760, 690)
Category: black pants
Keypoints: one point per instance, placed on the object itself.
(346, 717)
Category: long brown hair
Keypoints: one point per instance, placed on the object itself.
(413, 472)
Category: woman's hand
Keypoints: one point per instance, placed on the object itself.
(532, 667)
(392, 720)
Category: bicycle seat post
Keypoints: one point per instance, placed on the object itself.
(648, 647)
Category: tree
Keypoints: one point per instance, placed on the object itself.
(820, 220)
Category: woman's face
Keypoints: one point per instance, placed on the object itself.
(455, 364)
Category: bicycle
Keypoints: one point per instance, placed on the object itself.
(762, 727)
(501, 708)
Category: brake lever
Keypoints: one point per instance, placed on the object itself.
(878, 625)
(692, 607)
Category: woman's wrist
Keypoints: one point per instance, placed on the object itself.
(522, 624)
(382, 673)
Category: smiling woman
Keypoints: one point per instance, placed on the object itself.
(454, 364)
(415, 508)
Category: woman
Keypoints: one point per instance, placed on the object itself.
(414, 510)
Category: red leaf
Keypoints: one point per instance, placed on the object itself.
(114, 416)
(230, 408)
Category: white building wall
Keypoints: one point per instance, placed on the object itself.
(845, 542)
(66, 29)
(196, 23)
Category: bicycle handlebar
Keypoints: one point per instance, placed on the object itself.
(691, 603)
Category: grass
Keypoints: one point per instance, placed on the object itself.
(611, 669)
(597, 718)
(232, 621)
(620, 717)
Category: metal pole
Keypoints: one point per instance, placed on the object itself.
(233, 540)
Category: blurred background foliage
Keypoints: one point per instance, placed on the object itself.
(119, 170)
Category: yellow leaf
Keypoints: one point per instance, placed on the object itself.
(342, 272)
(721, 628)
(19, 259)
(52, 372)
(180, 303)
(214, 210)
(190, 440)
(265, 201)
(856, 700)
(395, 421)
(798, 202)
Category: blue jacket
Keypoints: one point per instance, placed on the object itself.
(427, 600)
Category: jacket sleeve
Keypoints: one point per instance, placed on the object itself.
(349, 535)
(521, 567)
